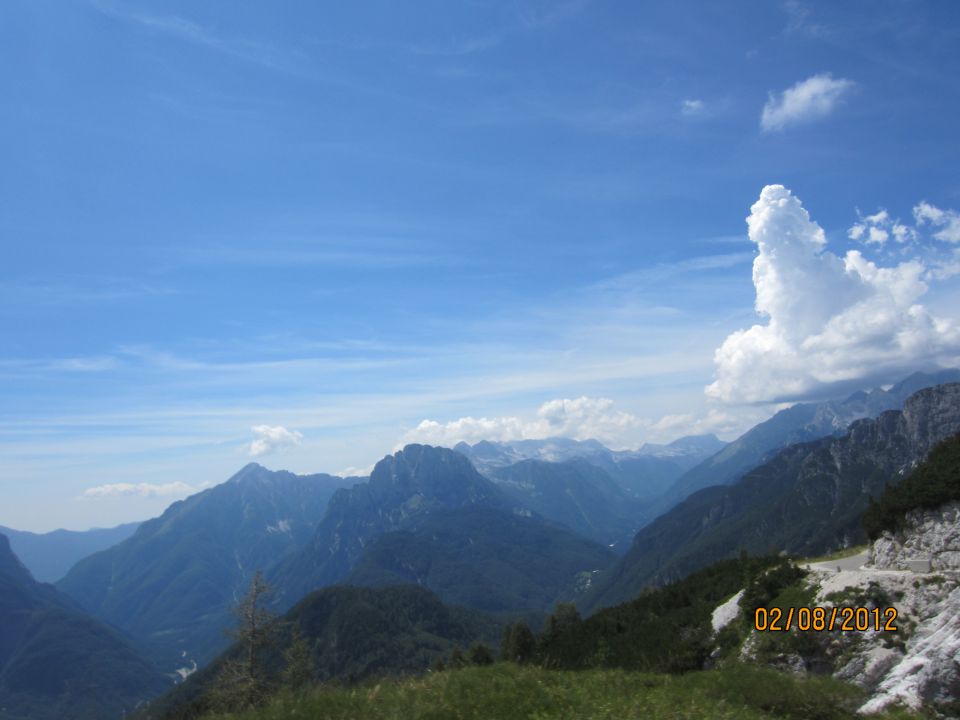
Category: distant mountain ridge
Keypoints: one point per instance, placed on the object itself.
(490, 454)
(807, 500)
(799, 423)
(576, 493)
(50, 555)
(645, 473)
(172, 584)
(57, 663)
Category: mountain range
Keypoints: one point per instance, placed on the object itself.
(807, 500)
(48, 556)
(644, 473)
(508, 529)
(797, 424)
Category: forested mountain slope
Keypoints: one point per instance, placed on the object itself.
(484, 558)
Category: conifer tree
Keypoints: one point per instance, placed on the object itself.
(480, 654)
(242, 682)
(457, 658)
(298, 661)
(518, 644)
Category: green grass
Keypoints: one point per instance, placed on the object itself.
(506, 692)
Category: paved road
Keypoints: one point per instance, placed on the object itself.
(854, 562)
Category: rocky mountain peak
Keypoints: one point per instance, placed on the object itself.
(438, 472)
(251, 472)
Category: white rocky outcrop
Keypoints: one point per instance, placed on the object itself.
(929, 670)
(919, 663)
(932, 535)
(726, 613)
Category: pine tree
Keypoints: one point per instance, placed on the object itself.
(480, 654)
(298, 661)
(242, 682)
(563, 617)
(518, 644)
(457, 658)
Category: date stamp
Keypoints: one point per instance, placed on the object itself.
(825, 619)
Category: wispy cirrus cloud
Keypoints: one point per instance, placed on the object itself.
(193, 32)
(527, 17)
(693, 108)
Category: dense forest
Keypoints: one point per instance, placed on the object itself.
(935, 482)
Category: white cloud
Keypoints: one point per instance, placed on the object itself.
(948, 221)
(581, 418)
(721, 422)
(352, 471)
(585, 418)
(829, 319)
(808, 100)
(877, 236)
(174, 489)
(876, 229)
(272, 439)
(946, 267)
(692, 108)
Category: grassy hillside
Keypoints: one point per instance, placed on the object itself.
(506, 691)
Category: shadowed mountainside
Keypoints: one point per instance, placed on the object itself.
(56, 662)
(172, 584)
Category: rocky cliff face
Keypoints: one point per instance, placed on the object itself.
(929, 535)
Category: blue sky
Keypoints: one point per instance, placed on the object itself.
(333, 222)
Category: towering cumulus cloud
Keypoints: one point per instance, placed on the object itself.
(829, 319)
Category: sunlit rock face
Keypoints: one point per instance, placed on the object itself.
(932, 535)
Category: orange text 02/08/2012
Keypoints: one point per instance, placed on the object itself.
(825, 619)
